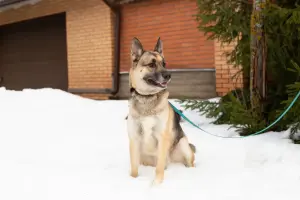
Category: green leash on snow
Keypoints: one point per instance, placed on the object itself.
(257, 133)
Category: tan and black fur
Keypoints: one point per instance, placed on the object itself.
(155, 135)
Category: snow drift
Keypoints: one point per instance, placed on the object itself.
(58, 146)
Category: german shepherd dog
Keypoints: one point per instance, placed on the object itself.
(155, 135)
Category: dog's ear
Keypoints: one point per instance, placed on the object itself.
(159, 47)
(136, 49)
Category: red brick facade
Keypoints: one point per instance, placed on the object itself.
(184, 45)
(90, 38)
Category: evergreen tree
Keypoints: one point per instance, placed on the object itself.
(229, 21)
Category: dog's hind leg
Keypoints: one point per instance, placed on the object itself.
(148, 160)
(184, 153)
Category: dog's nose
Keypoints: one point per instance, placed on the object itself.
(166, 75)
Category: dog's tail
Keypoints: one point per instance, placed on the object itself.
(192, 147)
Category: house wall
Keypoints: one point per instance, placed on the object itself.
(90, 42)
(188, 54)
(89, 38)
(184, 45)
(228, 77)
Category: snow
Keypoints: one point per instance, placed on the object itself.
(58, 146)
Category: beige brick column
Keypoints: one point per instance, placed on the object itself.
(90, 48)
(224, 71)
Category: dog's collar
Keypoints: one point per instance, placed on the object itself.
(133, 92)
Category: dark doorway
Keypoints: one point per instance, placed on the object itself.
(33, 54)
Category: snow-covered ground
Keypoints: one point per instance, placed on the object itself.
(58, 146)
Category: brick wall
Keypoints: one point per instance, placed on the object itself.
(184, 45)
(89, 38)
(90, 48)
(226, 74)
(90, 41)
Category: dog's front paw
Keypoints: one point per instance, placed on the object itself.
(157, 182)
(158, 179)
(133, 174)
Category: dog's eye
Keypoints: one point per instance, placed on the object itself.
(164, 64)
(152, 65)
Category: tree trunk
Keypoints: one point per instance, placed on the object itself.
(258, 53)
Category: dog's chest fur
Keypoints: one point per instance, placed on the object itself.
(147, 120)
(151, 128)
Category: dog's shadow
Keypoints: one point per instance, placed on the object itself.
(147, 171)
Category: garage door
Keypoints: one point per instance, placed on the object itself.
(33, 54)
